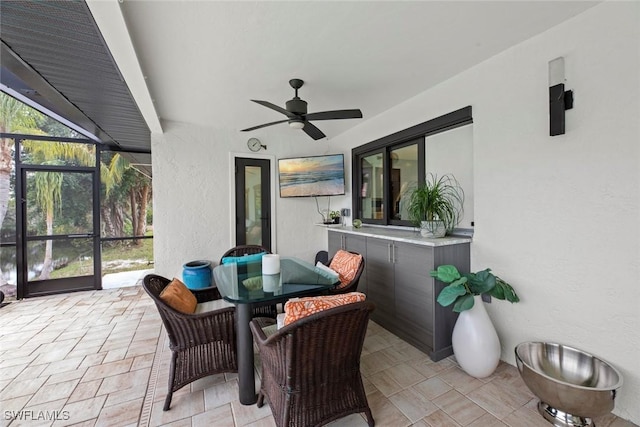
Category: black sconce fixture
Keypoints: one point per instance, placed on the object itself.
(559, 99)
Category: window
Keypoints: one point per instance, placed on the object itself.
(386, 171)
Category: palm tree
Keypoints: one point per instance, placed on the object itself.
(13, 118)
(49, 184)
(48, 197)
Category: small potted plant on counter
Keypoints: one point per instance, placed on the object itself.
(437, 205)
(335, 216)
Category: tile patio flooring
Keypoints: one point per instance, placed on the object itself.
(90, 356)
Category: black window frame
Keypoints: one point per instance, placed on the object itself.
(414, 135)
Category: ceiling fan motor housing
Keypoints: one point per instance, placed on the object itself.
(297, 106)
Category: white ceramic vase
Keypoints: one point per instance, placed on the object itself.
(475, 341)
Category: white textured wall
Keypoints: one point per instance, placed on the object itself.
(191, 193)
(555, 216)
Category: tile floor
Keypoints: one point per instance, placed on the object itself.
(93, 359)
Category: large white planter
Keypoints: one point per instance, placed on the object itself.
(475, 341)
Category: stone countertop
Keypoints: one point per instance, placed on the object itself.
(407, 236)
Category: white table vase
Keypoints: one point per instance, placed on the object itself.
(475, 342)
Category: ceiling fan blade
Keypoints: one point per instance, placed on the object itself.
(274, 107)
(264, 125)
(333, 115)
(313, 131)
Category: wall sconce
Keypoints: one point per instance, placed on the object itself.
(559, 99)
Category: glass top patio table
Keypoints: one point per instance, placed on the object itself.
(244, 283)
(245, 286)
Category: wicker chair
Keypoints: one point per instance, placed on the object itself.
(352, 286)
(270, 311)
(311, 368)
(201, 344)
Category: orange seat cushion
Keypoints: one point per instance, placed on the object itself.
(346, 265)
(300, 308)
(179, 297)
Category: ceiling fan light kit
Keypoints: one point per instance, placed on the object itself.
(297, 117)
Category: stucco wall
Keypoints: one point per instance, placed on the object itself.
(555, 216)
(192, 187)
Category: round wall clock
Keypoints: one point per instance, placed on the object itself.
(254, 144)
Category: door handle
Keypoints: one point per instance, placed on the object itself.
(389, 252)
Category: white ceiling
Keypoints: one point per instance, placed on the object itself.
(204, 60)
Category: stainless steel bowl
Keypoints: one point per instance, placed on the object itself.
(573, 386)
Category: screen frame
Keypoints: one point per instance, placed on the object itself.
(344, 183)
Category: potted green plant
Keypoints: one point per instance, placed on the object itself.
(462, 288)
(437, 205)
(335, 216)
(474, 339)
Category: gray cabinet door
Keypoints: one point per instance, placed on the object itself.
(335, 242)
(414, 297)
(380, 282)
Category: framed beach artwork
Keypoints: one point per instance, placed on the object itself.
(311, 176)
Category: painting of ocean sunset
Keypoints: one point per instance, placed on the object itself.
(311, 176)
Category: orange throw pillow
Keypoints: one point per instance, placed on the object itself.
(296, 309)
(179, 297)
(346, 265)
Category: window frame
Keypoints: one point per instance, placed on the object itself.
(415, 134)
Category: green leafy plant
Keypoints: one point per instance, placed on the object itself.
(438, 199)
(462, 287)
(334, 214)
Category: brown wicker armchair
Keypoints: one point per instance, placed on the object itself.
(311, 368)
(352, 286)
(201, 344)
(270, 311)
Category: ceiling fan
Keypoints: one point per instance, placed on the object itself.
(296, 112)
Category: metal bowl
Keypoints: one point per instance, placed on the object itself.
(573, 386)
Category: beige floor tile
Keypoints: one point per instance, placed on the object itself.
(107, 369)
(438, 419)
(385, 383)
(487, 420)
(458, 407)
(68, 364)
(32, 372)
(182, 405)
(141, 362)
(49, 392)
(66, 376)
(405, 375)
(432, 388)
(124, 381)
(41, 415)
(460, 380)
(248, 414)
(22, 388)
(121, 414)
(221, 416)
(413, 405)
(185, 422)
(82, 410)
(374, 362)
(108, 326)
(497, 400)
(525, 418)
(85, 390)
(121, 396)
(353, 420)
(385, 413)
